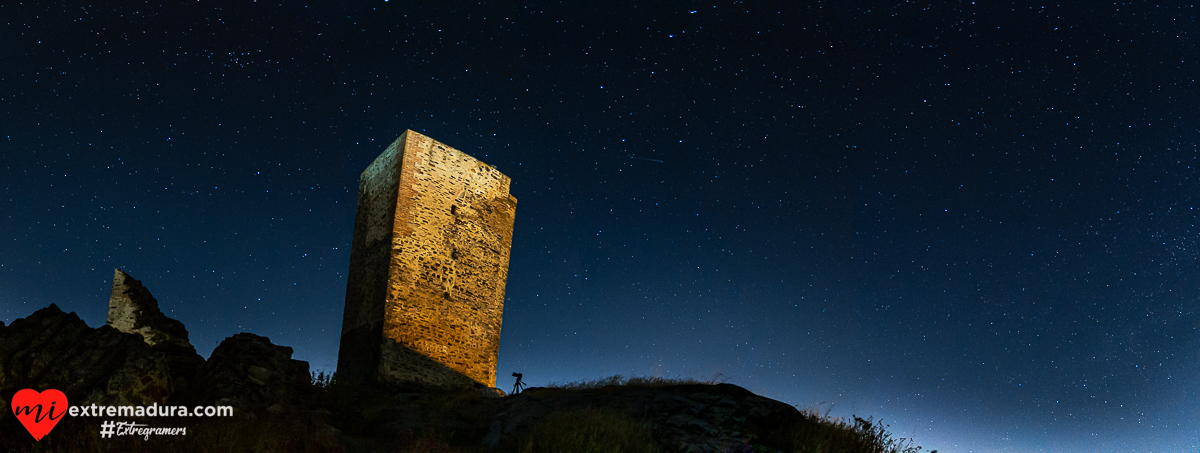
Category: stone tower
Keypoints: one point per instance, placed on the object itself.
(428, 265)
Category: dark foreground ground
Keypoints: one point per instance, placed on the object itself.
(611, 415)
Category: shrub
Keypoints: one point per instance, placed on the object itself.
(816, 433)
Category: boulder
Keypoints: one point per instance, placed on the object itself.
(492, 392)
(182, 360)
(248, 372)
(55, 350)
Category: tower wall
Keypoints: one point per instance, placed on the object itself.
(428, 266)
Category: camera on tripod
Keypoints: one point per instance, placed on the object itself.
(517, 386)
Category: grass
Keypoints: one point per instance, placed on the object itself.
(812, 432)
(589, 430)
(818, 433)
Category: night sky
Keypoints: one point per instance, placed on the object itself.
(977, 222)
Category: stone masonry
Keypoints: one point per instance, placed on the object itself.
(428, 265)
(131, 309)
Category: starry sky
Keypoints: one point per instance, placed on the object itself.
(974, 220)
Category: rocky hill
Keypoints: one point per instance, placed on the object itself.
(143, 358)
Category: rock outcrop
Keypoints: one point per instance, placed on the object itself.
(132, 309)
(182, 360)
(247, 371)
(52, 349)
(141, 357)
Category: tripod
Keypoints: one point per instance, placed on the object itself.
(517, 387)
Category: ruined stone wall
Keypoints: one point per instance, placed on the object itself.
(447, 246)
(131, 309)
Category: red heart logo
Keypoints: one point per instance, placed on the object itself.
(39, 412)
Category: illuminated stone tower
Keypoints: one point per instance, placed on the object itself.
(428, 265)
